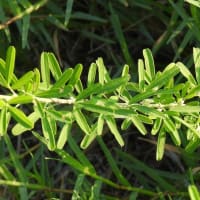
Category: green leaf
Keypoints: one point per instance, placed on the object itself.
(48, 133)
(78, 187)
(76, 74)
(20, 117)
(190, 126)
(45, 71)
(193, 192)
(63, 78)
(139, 125)
(54, 66)
(148, 111)
(100, 124)
(4, 121)
(193, 144)
(112, 85)
(126, 124)
(184, 70)
(19, 128)
(172, 130)
(91, 89)
(164, 77)
(10, 63)
(160, 145)
(193, 92)
(113, 128)
(69, 5)
(40, 138)
(81, 121)
(62, 116)
(3, 82)
(101, 69)
(56, 92)
(141, 74)
(96, 190)
(196, 57)
(39, 108)
(63, 136)
(24, 80)
(156, 126)
(25, 29)
(68, 159)
(149, 63)
(88, 139)
(92, 74)
(36, 80)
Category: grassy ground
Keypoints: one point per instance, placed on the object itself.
(80, 32)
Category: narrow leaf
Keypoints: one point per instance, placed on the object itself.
(76, 74)
(54, 66)
(45, 72)
(160, 145)
(113, 128)
(193, 192)
(156, 126)
(62, 139)
(3, 120)
(81, 121)
(10, 63)
(100, 124)
(88, 139)
(69, 5)
(19, 128)
(48, 133)
(186, 73)
(20, 117)
(92, 74)
(25, 79)
(173, 131)
(164, 77)
(63, 78)
(139, 125)
(196, 57)
(149, 63)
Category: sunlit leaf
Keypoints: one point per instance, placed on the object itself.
(63, 136)
(114, 130)
(10, 63)
(20, 117)
(160, 145)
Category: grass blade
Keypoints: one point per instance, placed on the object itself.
(69, 5)
(112, 163)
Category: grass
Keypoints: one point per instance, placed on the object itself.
(79, 32)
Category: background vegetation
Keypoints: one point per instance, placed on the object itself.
(117, 31)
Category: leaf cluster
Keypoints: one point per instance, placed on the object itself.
(60, 98)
